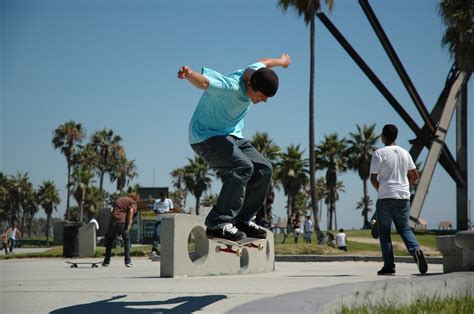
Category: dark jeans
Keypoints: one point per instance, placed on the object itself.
(246, 175)
(114, 230)
(398, 211)
(11, 244)
(156, 236)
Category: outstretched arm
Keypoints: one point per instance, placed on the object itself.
(196, 79)
(284, 61)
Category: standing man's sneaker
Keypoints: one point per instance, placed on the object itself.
(386, 271)
(374, 230)
(225, 231)
(128, 264)
(153, 255)
(104, 264)
(421, 261)
(252, 230)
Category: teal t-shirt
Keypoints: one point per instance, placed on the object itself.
(222, 107)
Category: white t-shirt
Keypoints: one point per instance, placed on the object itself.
(308, 225)
(341, 239)
(162, 207)
(392, 164)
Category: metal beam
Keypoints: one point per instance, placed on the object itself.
(462, 199)
(447, 165)
(436, 147)
(397, 64)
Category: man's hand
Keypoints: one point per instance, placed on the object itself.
(195, 78)
(285, 60)
(184, 72)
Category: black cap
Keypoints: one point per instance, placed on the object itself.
(265, 80)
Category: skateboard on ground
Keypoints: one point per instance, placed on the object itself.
(75, 264)
(235, 247)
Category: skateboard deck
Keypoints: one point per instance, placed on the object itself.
(235, 247)
(75, 264)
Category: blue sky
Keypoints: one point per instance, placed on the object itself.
(112, 64)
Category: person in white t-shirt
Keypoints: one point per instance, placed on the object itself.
(392, 173)
(13, 235)
(341, 240)
(162, 206)
(308, 229)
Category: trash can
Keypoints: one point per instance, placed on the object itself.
(71, 239)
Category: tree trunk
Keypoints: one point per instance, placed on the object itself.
(312, 157)
(48, 222)
(366, 208)
(66, 214)
(197, 205)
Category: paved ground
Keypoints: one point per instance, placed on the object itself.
(50, 285)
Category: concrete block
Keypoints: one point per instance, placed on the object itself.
(87, 240)
(452, 254)
(186, 251)
(465, 240)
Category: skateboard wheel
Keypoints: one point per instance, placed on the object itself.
(260, 247)
(238, 252)
(72, 266)
(218, 249)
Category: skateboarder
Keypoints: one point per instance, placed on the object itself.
(121, 220)
(392, 173)
(215, 134)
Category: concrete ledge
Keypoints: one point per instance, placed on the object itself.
(186, 251)
(465, 240)
(452, 254)
(396, 291)
(350, 258)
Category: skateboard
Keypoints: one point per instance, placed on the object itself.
(235, 247)
(74, 264)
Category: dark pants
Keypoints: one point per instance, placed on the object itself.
(156, 236)
(246, 175)
(11, 244)
(398, 211)
(114, 230)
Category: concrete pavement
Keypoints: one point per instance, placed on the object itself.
(50, 285)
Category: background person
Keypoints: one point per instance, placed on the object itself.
(121, 220)
(341, 239)
(162, 206)
(392, 173)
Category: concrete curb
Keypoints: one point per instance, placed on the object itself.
(349, 258)
(397, 291)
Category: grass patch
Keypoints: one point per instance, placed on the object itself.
(450, 305)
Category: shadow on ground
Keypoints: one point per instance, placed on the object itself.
(182, 305)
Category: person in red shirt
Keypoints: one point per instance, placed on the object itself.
(121, 220)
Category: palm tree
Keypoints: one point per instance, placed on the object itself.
(458, 16)
(365, 204)
(264, 144)
(292, 174)
(197, 178)
(123, 172)
(178, 182)
(361, 148)
(108, 150)
(308, 9)
(209, 200)
(322, 193)
(332, 155)
(48, 198)
(4, 197)
(19, 189)
(66, 137)
(82, 177)
(331, 200)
